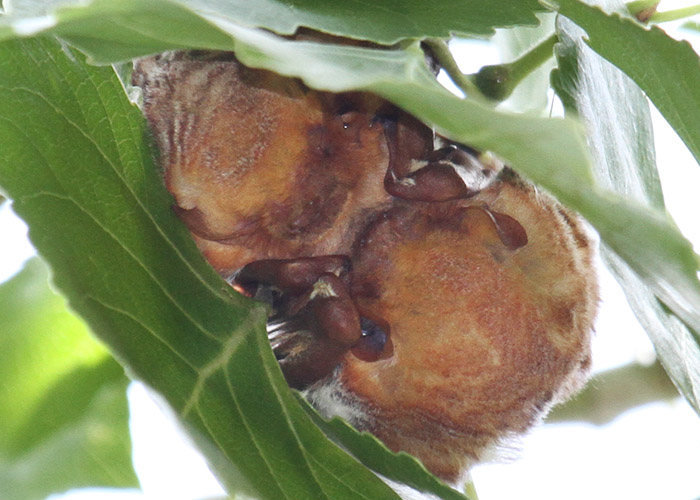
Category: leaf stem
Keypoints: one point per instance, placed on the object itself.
(645, 11)
(676, 14)
(498, 81)
(447, 62)
(642, 9)
(638, 6)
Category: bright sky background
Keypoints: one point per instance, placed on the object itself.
(650, 452)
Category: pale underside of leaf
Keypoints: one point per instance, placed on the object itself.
(623, 154)
(381, 21)
(667, 70)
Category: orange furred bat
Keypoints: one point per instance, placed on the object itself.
(419, 288)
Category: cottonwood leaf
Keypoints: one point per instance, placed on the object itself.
(625, 162)
(401, 467)
(381, 21)
(667, 70)
(75, 162)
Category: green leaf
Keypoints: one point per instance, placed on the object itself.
(623, 151)
(548, 151)
(185, 331)
(381, 21)
(624, 160)
(400, 467)
(76, 163)
(64, 412)
(534, 145)
(667, 70)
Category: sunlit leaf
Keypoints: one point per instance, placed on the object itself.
(382, 21)
(64, 412)
(667, 70)
(624, 160)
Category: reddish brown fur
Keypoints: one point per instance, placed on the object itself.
(488, 299)
(261, 167)
(485, 336)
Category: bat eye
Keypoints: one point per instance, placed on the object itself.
(374, 343)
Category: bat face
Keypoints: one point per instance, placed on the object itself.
(419, 289)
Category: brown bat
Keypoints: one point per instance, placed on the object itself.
(420, 289)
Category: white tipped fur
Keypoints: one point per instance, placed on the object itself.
(331, 399)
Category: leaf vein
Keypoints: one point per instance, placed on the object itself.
(135, 258)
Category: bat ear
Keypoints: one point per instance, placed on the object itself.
(511, 232)
(448, 173)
